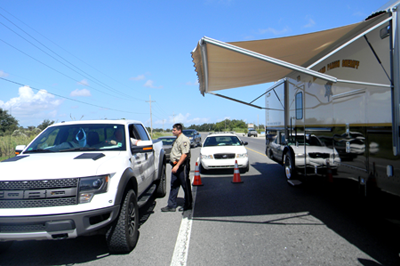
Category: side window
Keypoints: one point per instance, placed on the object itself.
(299, 105)
(133, 133)
(142, 132)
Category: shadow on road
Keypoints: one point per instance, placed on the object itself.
(364, 223)
(65, 252)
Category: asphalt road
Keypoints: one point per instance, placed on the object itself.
(263, 221)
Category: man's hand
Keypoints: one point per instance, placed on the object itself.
(175, 169)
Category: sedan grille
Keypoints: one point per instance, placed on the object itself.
(317, 155)
(224, 155)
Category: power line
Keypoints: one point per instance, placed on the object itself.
(112, 109)
(92, 78)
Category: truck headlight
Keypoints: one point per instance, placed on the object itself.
(241, 155)
(89, 186)
(205, 157)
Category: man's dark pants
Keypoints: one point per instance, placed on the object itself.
(178, 179)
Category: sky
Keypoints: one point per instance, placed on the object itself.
(96, 59)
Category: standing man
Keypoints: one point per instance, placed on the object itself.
(179, 175)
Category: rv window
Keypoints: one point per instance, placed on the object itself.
(299, 106)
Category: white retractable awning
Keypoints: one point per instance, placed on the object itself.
(221, 65)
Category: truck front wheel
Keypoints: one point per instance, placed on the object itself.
(123, 234)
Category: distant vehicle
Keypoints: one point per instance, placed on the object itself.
(167, 145)
(219, 151)
(314, 160)
(252, 132)
(194, 136)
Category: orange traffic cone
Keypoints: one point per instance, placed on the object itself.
(197, 178)
(236, 175)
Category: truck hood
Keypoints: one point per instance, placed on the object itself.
(56, 165)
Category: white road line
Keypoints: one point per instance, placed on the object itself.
(182, 242)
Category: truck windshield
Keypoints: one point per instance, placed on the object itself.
(82, 137)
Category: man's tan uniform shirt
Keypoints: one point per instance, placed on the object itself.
(180, 146)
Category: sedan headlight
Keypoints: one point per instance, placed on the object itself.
(89, 186)
(206, 157)
(241, 155)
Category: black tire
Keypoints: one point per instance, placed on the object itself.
(288, 164)
(4, 246)
(162, 184)
(244, 170)
(270, 154)
(202, 170)
(123, 234)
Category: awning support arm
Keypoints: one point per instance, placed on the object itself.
(377, 57)
(242, 102)
(349, 42)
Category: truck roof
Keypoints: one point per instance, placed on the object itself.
(103, 121)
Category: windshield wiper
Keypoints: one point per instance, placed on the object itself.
(38, 151)
(79, 149)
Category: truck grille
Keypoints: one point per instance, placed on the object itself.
(38, 193)
(316, 155)
(13, 228)
(224, 155)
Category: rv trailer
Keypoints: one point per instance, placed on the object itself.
(339, 88)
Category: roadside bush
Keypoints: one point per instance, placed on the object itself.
(8, 144)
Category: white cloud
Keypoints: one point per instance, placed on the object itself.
(184, 119)
(149, 84)
(189, 83)
(310, 23)
(83, 93)
(30, 106)
(140, 77)
(83, 82)
(273, 31)
(3, 74)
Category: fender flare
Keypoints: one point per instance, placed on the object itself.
(127, 180)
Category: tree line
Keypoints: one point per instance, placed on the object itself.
(10, 126)
(225, 125)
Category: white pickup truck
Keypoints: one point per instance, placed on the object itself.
(81, 178)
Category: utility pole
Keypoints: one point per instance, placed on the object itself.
(151, 118)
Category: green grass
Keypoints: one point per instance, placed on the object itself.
(8, 144)
(156, 135)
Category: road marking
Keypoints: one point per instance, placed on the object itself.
(182, 242)
(257, 152)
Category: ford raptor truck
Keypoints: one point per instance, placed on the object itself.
(81, 178)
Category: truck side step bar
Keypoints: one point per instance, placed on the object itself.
(146, 196)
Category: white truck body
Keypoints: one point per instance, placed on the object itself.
(73, 177)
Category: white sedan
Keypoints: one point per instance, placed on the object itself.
(220, 151)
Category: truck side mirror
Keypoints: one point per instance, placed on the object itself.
(19, 149)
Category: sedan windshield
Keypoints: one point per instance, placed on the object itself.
(84, 137)
(222, 141)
